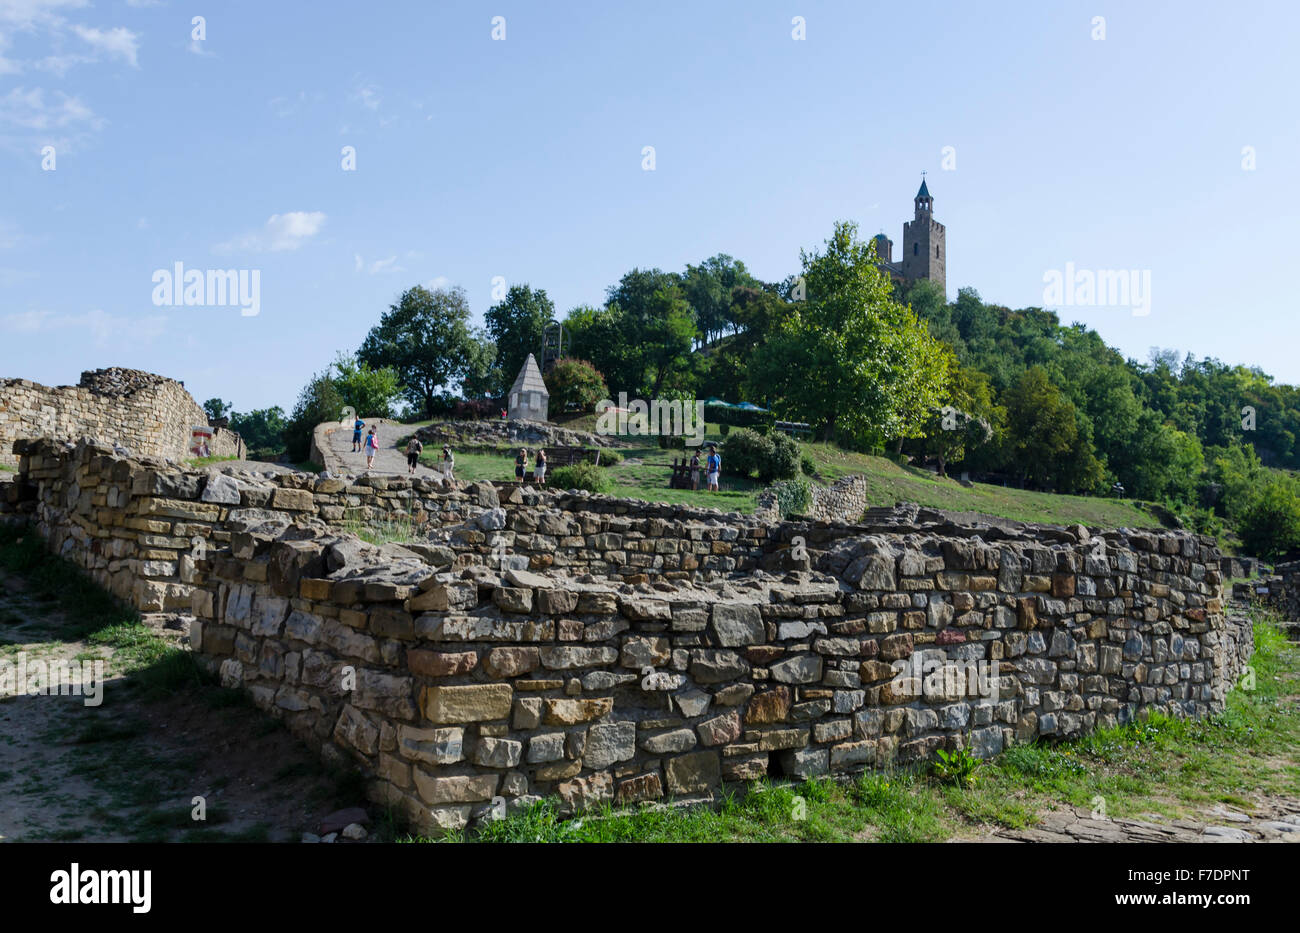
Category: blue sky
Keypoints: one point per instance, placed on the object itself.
(522, 159)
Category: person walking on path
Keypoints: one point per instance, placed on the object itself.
(521, 462)
(413, 451)
(539, 467)
(695, 470)
(372, 446)
(448, 464)
(713, 466)
(356, 435)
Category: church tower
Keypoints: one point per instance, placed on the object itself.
(924, 249)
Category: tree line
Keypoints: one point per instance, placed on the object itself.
(1011, 396)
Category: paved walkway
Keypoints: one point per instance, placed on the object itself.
(388, 459)
(1276, 820)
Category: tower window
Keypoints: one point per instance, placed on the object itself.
(916, 249)
(936, 252)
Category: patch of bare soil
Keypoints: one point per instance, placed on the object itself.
(189, 763)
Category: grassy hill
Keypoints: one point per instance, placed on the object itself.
(644, 475)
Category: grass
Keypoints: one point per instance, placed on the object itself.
(887, 483)
(1163, 767)
(208, 461)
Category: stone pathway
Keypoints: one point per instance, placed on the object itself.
(1276, 820)
(388, 459)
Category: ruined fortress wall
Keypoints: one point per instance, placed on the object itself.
(149, 415)
(462, 689)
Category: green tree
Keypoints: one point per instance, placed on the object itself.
(849, 358)
(426, 338)
(371, 392)
(515, 325)
(1270, 525)
(262, 430)
(1044, 438)
(216, 409)
(577, 382)
(709, 289)
(319, 401)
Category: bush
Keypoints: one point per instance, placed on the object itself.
(760, 421)
(793, 496)
(586, 476)
(773, 456)
(672, 442)
(745, 452)
(608, 457)
(576, 381)
(782, 459)
(807, 464)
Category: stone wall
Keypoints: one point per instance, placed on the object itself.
(844, 500)
(463, 685)
(149, 415)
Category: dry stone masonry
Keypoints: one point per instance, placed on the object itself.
(607, 650)
(148, 415)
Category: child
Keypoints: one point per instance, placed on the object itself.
(520, 462)
(448, 463)
(413, 450)
(372, 446)
(713, 466)
(356, 435)
(539, 467)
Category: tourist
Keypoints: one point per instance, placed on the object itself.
(356, 435)
(539, 467)
(695, 470)
(413, 450)
(448, 463)
(372, 446)
(713, 466)
(520, 463)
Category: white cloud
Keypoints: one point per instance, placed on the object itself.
(99, 324)
(282, 232)
(32, 110)
(118, 42)
(368, 95)
(438, 282)
(26, 14)
(378, 266)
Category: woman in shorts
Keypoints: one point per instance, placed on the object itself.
(520, 463)
(539, 467)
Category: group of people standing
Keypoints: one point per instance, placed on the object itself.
(712, 469)
(414, 447)
(539, 465)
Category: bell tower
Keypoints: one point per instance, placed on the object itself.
(924, 249)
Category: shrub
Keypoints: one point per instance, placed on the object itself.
(807, 464)
(672, 442)
(586, 476)
(793, 496)
(745, 452)
(608, 457)
(782, 459)
(760, 421)
(576, 381)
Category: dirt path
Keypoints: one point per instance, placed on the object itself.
(131, 768)
(388, 459)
